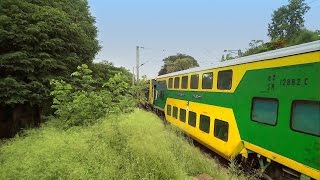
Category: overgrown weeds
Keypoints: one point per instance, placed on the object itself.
(130, 146)
(236, 170)
(94, 136)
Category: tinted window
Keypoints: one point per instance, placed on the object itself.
(204, 123)
(176, 82)
(207, 80)
(225, 80)
(194, 81)
(184, 83)
(305, 117)
(221, 129)
(265, 110)
(169, 110)
(182, 116)
(162, 84)
(175, 112)
(170, 83)
(192, 119)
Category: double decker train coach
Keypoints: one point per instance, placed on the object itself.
(263, 108)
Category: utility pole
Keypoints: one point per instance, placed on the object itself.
(137, 62)
(133, 76)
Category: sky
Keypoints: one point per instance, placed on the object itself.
(199, 28)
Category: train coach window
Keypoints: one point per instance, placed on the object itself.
(221, 129)
(170, 84)
(169, 110)
(176, 82)
(207, 80)
(265, 110)
(182, 116)
(204, 123)
(305, 117)
(192, 119)
(184, 83)
(225, 80)
(175, 112)
(194, 82)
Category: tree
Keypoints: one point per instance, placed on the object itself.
(255, 43)
(258, 46)
(40, 40)
(286, 29)
(104, 70)
(177, 63)
(80, 103)
(229, 57)
(304, 36)
(287, 21)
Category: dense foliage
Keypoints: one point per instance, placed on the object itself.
(287, 21)
(130, 146)
(40, 40)
(104, 70)
(82, 103)
(255, 48)
(177, 63)
(286, 29)
(303, 36)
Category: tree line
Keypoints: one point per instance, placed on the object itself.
(45, 40)
(285, 29)
(41, 41)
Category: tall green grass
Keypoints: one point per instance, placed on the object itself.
(131, 146)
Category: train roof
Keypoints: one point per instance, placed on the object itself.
(288, 51)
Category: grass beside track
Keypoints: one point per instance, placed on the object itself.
(131, 146)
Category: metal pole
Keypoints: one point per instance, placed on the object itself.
(239, 53)
(137, 62)
(133, 76)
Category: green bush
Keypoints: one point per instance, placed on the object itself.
(132, 146)
(304, 36)
(81, 103)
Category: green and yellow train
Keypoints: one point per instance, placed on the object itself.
(265, 107)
